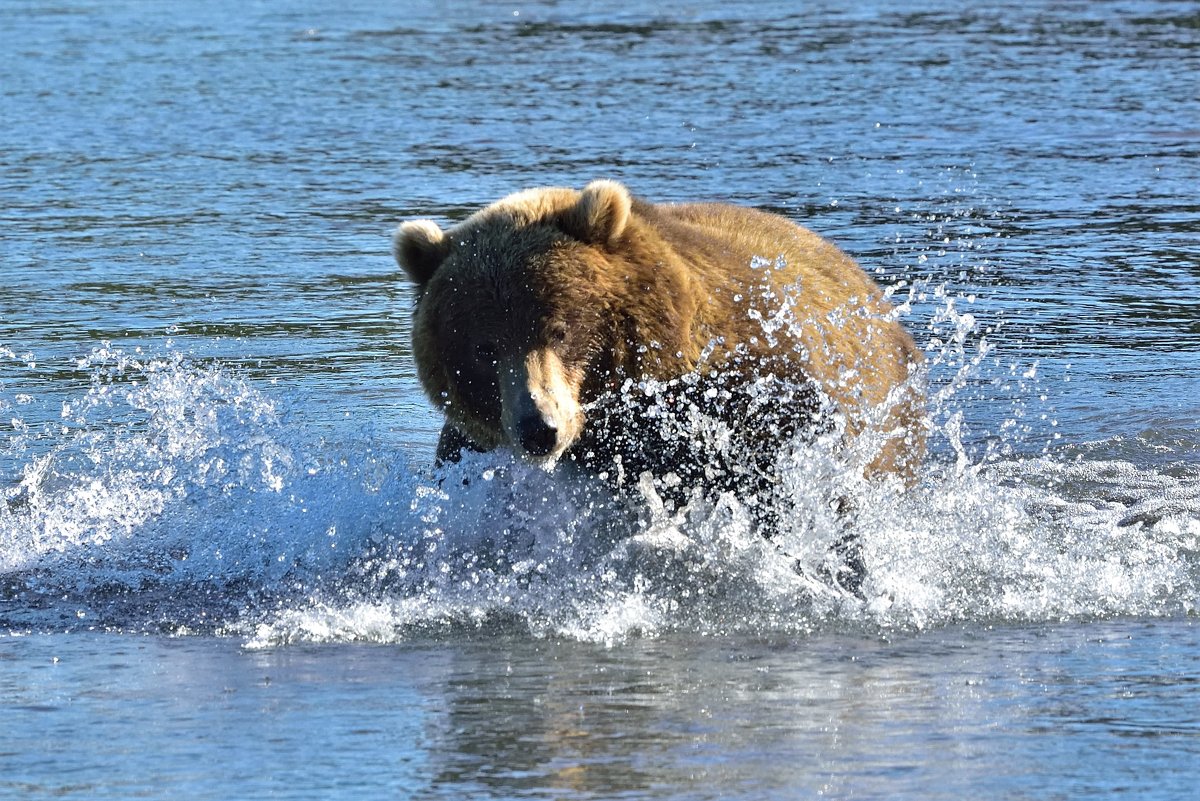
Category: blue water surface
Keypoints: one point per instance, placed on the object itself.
(228, 571)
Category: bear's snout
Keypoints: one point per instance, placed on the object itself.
(537, 435)
(539, 412)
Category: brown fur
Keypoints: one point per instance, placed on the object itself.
(552, 293)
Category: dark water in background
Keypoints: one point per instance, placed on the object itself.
(211, 425)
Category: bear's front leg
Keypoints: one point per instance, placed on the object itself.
(451, 445)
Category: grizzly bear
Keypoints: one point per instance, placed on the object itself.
(597, 328)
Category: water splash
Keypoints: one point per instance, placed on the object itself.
(177, 496)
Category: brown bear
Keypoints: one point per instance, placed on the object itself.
(538, 318)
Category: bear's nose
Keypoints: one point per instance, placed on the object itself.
(537, 434)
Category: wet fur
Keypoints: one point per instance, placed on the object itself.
(620, 289)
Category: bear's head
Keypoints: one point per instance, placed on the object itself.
(518, 313)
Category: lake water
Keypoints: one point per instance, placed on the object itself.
(226, 569)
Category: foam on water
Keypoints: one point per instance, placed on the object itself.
(176, 496)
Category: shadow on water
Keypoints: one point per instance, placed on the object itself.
(1023, 708)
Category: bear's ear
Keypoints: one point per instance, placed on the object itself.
(420, 247)
(600, 215)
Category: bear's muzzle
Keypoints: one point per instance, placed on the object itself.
(539, 410)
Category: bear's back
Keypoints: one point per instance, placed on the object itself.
(734, 244)
(839, 319)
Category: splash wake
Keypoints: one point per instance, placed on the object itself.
(176, 497)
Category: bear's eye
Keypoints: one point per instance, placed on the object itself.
(485, 352)
(557, 334)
